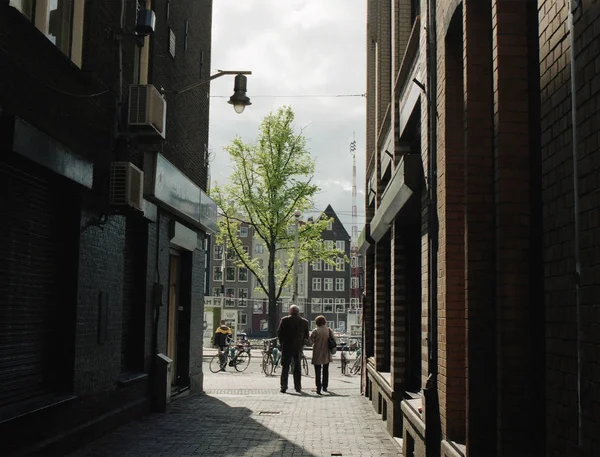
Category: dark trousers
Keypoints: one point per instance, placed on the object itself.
(322, 383)
(288, 357)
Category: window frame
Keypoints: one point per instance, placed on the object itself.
(316, 284)
(328, 284)
(338, 282)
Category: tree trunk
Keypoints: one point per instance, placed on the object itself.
(272, 310)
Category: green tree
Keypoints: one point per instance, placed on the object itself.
(271, 179)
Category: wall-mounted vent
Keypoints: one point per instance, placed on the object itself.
(126, 186)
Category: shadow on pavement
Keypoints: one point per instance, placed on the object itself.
(199, 425)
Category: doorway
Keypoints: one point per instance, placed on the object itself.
(173, 311)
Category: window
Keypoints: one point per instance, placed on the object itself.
(317, 265)
(60, 21)
(342, 326)
(230, 275)
(328, 305)
(261, 263)
(185, 36)
(216, 291)
(327, 266)
(340, 305)
(243, 297)
(354, 261)
(341, 245)
(300, 286)
(242, 274)
(354, 303)
(354, 282)
(300, 268)
(340, 264)
(229, 297)
(172, 42)
(243, 232)
(316, 307)
(340, 284)
(259, 248)
(257, 307)
(218, 252)
(329, 244)
(231, 254)
(243, 319)
(316, 283)
(217, 274)
(328, 284)
(246, 249)
(330, 225)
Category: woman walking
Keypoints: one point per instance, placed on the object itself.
(321, 355)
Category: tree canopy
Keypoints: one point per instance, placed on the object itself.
(271, 179)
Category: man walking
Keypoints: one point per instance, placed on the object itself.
(292, 332)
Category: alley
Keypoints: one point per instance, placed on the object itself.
(245, 414)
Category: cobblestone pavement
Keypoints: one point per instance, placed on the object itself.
(244, 414)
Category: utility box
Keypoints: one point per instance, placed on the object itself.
(162, 383)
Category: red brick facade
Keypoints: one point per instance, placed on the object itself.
(511, 367)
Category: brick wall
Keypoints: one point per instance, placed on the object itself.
(559, 249)
(399, 303)
(479, 228)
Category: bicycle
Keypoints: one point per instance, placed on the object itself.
(343, 348)
(237, 357)
(303, 363)
(271, 357)
(357, 366)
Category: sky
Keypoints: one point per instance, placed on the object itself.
(295, 48)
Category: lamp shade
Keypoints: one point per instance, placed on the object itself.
(239, 100)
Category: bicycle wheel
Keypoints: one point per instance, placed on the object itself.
(305, 366)
(267, 364)
(215, 363)
(242, 361)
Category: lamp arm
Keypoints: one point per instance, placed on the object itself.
(215, 76)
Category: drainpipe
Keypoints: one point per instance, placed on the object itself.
(574, 4)
(432, 420)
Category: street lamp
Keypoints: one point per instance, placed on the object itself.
(297, 215)
(239, 99)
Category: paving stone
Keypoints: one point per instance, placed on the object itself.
(234, 417)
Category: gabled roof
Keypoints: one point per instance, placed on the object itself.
(338, 226)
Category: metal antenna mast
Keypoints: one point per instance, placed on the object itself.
(354, 268)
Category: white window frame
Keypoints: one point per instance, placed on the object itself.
(218, 254)
(354, 282)
(329, 244)
(328, 305)
(354, 303)
(316, 284)
(243, 319)
(327, 266)
(227, 270)
(340, 284)
(341, 245)
(330, 225)
(340, 307)
(316, 266)
(259, 248)
(215, 270)
(340, 264)
(243, 232)
(240, 269)
(316, 306)
(328, 284)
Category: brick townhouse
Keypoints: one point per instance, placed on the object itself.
(103, 170)
(481, 242)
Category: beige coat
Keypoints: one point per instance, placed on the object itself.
(319, 338)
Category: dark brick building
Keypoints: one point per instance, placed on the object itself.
(328, 286)
(481, 243)
(102, 266)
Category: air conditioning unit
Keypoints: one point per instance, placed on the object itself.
(147, 110)
(126, 185)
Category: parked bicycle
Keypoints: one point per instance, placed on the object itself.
(357, 366)
(272, 358)
(237, 356)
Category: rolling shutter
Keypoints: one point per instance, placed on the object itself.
(30, 253)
